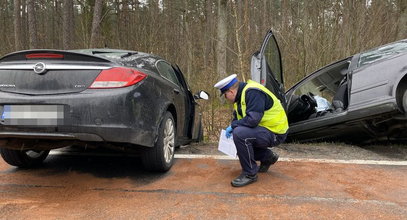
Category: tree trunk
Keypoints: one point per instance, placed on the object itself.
(68, 24)
(207, 24)
(32, 24)
(95, 38)
(118, 5)
(402, 26)
(238, 31)
(17, 25)
(222, 39)
(189, 44)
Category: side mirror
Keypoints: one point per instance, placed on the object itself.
(202, 95)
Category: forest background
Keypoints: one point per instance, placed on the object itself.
(208, 39)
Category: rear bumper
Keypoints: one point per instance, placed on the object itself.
(119, 135)
(109, 115)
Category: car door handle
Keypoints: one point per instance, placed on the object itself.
(176, 91)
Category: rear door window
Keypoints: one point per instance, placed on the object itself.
(166, 70)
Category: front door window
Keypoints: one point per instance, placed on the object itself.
(273, 59)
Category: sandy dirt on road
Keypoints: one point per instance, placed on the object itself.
(338, 151)
(114, 188)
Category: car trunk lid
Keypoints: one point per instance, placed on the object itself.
(46, 72)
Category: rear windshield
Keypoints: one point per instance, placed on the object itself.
(383, 52)
(126, 58)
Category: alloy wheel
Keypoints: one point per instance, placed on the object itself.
(169, 140)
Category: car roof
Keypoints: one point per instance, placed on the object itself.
(382, 52)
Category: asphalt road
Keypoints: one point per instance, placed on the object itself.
(314, 181)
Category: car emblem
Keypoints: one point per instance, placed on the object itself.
(39, 68)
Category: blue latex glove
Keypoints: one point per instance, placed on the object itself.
(229, 131)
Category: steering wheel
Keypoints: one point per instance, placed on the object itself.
(309, 98)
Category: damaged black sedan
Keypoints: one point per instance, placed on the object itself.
(125, 100)
(359, 99)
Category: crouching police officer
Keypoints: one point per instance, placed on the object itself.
(259, 122)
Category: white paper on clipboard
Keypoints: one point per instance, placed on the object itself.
(226, 145)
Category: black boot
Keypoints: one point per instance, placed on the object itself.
(265, 165)
(244, 180)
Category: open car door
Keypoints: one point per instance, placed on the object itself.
(267, 69)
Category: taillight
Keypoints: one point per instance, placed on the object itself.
(117, 77)
(44, 55)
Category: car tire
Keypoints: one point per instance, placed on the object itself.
(405, 101)
(25, 158)
(160, 158)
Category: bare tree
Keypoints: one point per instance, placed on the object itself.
(238, 31)
(32, 24)
(95, 38)
(222, 39)
(189, 42)
(402, 26)
(68, 24)
(17, 25)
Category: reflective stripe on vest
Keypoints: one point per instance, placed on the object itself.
(274, 119)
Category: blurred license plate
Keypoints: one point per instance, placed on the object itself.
(33, 115)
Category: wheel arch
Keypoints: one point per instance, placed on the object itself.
(171, 108)
(167, 107)
(399, 90)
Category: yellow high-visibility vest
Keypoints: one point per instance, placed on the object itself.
(274, 119)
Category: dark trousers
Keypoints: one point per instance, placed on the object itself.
(252, 145)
